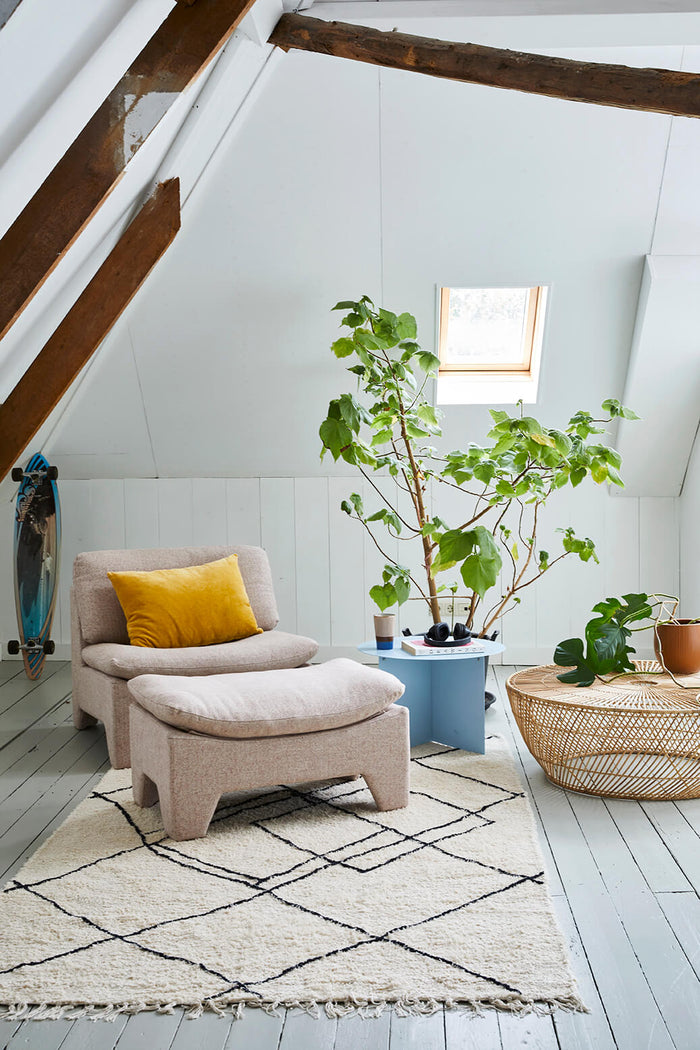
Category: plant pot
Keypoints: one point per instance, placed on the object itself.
(384, 630)
(680, 645)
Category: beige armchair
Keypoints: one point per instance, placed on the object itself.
(104, 661)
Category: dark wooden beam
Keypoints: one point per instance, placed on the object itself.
(88, 322)
(655, 90)
(177, 52)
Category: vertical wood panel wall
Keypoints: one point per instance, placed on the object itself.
(323, 563)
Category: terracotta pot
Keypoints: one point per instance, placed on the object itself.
(680, 644)
(384, 629)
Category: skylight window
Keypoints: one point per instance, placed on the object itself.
(489, 344)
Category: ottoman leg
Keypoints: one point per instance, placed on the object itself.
(388, 774)
(186, 817)
(388, 790)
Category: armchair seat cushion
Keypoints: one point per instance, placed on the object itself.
(260, 652)
(269, 703)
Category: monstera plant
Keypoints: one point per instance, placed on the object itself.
(389, 426)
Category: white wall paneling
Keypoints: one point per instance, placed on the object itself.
(141, 513)
(175, 512)
(312, 558)
(278, 537)
(243, 511)
(323, 564)
(209, 518)
(347, 568)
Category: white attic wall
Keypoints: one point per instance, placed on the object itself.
(289, 217)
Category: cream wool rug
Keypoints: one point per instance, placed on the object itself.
(300, 895)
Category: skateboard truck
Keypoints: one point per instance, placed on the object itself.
(32, 645)
(18, 474)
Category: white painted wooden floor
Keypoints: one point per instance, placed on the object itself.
(624, 879)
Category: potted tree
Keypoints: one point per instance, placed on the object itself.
(390, 427)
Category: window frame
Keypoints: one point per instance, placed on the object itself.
(521, 369)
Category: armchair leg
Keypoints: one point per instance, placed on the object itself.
(81, 719)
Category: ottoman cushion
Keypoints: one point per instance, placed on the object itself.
(269, 703)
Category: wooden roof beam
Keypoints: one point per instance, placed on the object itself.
(649, 90)
(179, 50)
(88, 321)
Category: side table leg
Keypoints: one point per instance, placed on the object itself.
(458, 703)
(416, 676)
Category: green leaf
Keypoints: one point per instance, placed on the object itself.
(454, 546)
(335, 435)
(403, 589)
(365, 339)
(346, 304)
(352, 412)
(427, 413)
(383, 596)
(569, 653)
(613, 407)
(485, 471)
(544, 439)
(416, 432)
(343, 347)
(357, 503)
(428, 361)
(353, 320)
(406, 327)
(381, 438)
(481, 568)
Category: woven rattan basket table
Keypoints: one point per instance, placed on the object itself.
(635, 737)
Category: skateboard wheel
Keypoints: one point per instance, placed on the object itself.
(17, 473)
(52, 473)
(13, 647)
(49, 647)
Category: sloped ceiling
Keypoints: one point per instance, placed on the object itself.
(344, 179)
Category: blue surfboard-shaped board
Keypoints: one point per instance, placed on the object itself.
(37, 545)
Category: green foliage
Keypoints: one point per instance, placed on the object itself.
(391, 425)
(394, 588)
(606, 637)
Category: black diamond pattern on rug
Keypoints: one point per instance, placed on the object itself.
(315, 867)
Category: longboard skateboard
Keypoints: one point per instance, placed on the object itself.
(37, 543)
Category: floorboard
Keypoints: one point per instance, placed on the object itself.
(150, 1031)
(360, 1033)
(624, 880)
(256, 1030)
(40, 1035)
(302, 1031)
(465, 1031)
(421, 1033)
(631, 1009)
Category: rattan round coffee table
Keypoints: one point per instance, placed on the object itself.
(637, 736)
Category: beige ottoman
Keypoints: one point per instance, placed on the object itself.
(195, 738)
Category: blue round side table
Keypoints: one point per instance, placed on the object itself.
(444, 693)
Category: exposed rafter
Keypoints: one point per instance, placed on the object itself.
(654, 90)
(88, 322)
(177, 52)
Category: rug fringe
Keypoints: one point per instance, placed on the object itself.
(367, 1008)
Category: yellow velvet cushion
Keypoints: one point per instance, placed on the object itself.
(198, 605)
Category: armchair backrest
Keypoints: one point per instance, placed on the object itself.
(100, 615)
